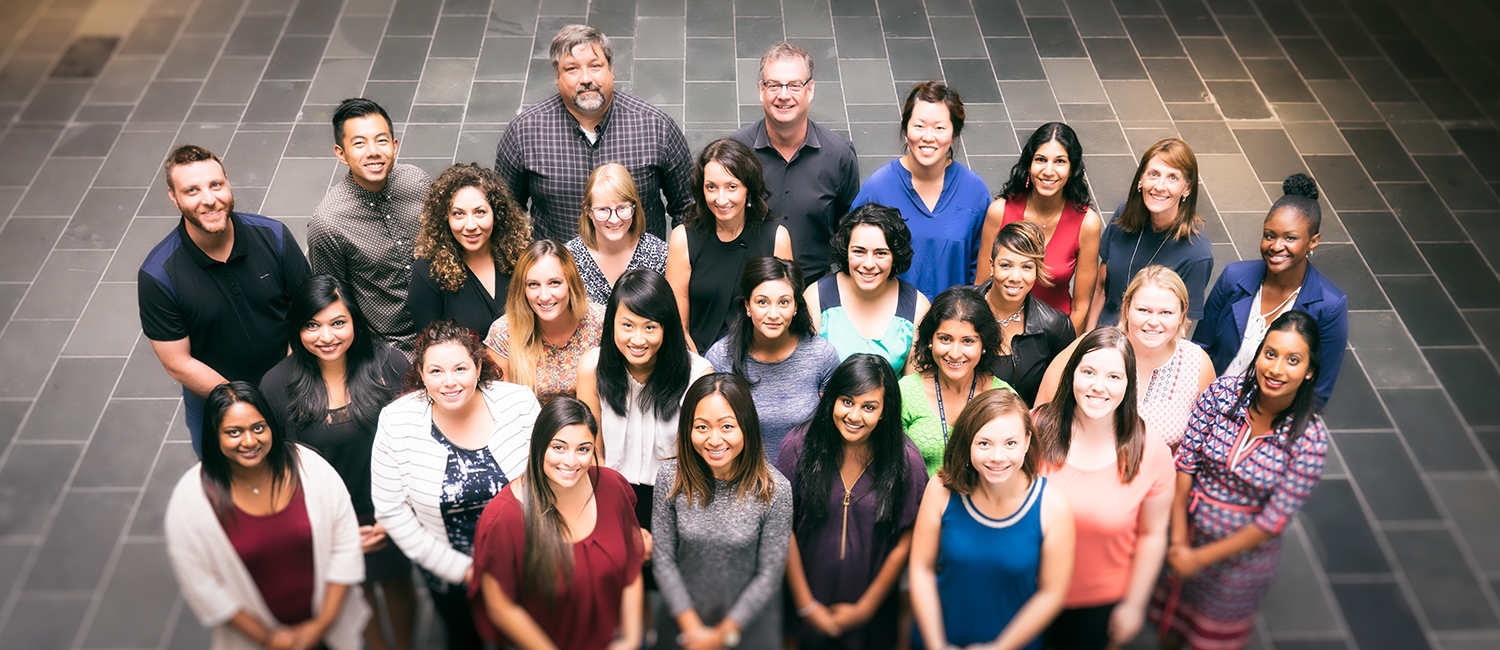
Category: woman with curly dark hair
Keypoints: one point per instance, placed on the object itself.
(472, 234)
(1047, 187)
(863, 306)
(728, 224)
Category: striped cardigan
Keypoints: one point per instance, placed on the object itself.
(407, 467)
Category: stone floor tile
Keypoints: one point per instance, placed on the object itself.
(80, 541)
(1444, 584)
(1296, 602)
(32, 478)
(1469, 279)
(1474, 504)
(1382, 155)
(58, 187)
(1460, 185)
(1340, 535)
(175, 459)
(49, 623)
(25, 245)
(899, 17)
(1468, 375)
(1379, 616)
(126, 443)
(957, 38)
(1153, 36)
(138, 602)
(72, 399)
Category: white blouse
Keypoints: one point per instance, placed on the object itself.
(635, 444)
(1255, 330)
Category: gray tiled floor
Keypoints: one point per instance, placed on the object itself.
(1392, 105)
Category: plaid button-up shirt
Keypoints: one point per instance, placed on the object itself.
(547, 159)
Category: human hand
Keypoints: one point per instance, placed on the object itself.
(372, 538)
(701, 638)
(1184, 561)
(849, 616)
(821, 619)
(1125, 622)
(280, 639)
(468, 576)
(646, 544)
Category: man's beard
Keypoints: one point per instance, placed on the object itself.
(589, 103)
(192, 217)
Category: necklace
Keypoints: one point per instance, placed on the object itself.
(256, 489)
(942, 415)
(1011, 318)
(1132, 267)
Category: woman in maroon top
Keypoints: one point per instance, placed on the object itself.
(575, 582)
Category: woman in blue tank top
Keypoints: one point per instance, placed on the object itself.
(992, 550)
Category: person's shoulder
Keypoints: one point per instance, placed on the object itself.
(653, 244)
(576, 246)
(409, 173)
(1330, 290)
(504, 392)
(830, 140)
(819, 346)
(540, 112)
(718, 351)
(748, 133)
(156, 260)
(667, 472)
(596, 314)
(628, 102)
(887, 173)
(613, 481)
(275, 380)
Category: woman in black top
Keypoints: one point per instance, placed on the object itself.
(472, 234)
(727, 225)
(1032, 332)
(327, 395)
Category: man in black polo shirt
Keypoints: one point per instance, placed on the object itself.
(812, 172)
(214, 293)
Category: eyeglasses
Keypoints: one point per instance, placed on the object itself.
(623, 213)
(795, 87)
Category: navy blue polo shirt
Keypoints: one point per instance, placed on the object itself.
(232, 312)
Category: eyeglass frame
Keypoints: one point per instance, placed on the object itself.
(613, 213)
(775, 87)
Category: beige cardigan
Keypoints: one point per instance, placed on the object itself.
(215, 582)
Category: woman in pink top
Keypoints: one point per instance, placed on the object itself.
(1119, 476)
(1047, 187)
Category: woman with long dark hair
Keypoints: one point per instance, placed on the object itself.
(441, 453)
(558, 552)
(721, 525)
(263, 539)
(1253, 453)
(1118, 476)
(728, 224)
(774, 347)
(1047, 187)
(327, 394)
(857, 481)
(548, 324)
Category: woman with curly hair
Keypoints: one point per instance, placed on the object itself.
(472, 233)
(610, 239)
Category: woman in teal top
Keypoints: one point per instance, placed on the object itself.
(863, 306)
(957, 340)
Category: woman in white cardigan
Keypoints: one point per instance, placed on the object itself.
(263, 538)
(441, 453)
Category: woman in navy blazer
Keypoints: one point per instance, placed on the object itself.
(1252, 293)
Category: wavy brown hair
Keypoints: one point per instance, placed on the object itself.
(741, 163)
(435, 241)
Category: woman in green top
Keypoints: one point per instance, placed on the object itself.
(957, 342)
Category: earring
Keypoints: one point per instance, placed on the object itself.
(1140, 188)
(1028, 182)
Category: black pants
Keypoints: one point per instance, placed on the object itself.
(458, 619)
(1085, 628)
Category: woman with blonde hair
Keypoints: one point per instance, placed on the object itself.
(550, 318)
(610, 239)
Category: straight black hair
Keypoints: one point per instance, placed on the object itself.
(823, 446)
(308, 395)
(357, 107)
(1076, 190)
(215, 475)
(758, 271)
(1303, 408)
(646, 294)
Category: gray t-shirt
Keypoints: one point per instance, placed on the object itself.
(786, 392)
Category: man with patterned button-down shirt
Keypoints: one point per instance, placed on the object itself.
(365, 229)
(549, 150)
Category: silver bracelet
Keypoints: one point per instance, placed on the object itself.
(807, 611)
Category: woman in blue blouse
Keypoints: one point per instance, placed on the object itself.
(943, 202)
(1252, 293)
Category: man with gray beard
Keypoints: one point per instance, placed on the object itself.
(549, 150)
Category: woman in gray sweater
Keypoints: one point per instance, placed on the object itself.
(722, 521)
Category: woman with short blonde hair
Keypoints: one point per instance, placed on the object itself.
(611, 240)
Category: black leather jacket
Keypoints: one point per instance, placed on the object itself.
(1047, 331)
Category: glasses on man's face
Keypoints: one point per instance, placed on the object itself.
(623, 213)
(793, 87)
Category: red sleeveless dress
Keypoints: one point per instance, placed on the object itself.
(1062, 251)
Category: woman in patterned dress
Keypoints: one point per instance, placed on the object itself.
(610, 239)
(1253, 453)
(548, 323)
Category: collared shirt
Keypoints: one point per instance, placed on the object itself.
(546, 158)
(367, 239)
(809, 193)
(233, 312)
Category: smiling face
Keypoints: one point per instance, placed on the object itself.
(328, 334)
(471, 220)
(1014, 274)
(725, 194)
(1099, 383)
(998, 451)
(1282, 365)
(618, 213)
(870, 257)
(638, 338)
(1153, 318)
(956, 349)
(1162, 186)
(1285, 241)
(201, 192)
(771, 308)
(929, 133)
(585, 79)
(244, 436)
(450, 375)
(855, 416)
(785, 106)
(716, 435)
(569, 456)
(547, 289)
(369, 149)
(1050, 169)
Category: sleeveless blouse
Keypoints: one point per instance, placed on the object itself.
(1167, 400)
(650, 253)
(1062, 251)
(894, 344)
(714, 289)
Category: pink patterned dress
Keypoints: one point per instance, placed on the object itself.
(1263, 484)
(557, 370)
(1166, 401)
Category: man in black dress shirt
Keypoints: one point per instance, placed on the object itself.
(213, 294)
(549, 150)
(812, 172)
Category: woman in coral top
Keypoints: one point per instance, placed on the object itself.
(1119, 478)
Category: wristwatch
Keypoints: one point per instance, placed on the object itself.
(732, 639)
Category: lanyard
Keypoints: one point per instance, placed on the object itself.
(942, 416)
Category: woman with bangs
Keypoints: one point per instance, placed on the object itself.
(857, 481)
(992, 550)
(549, 315)
(722, 522)
(1118, 477)
(610, 239)
(558, 552)
(864, 306)
(1032, 332)
(472, 234)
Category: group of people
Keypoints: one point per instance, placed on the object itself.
(815, 413)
